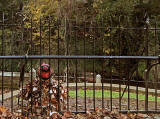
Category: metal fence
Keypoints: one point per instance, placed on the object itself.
(78, 47)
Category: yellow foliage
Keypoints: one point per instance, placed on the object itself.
(36, 34)
(95, 5)
(108, 51)
(107, 34)
(40, 9)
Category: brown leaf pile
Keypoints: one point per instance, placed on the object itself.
(44, 97)
(98, 114)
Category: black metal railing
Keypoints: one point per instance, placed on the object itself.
(108, 92)
(82, 48)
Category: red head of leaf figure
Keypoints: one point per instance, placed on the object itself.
(44, 71)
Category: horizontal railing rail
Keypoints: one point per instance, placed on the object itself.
(79, 57)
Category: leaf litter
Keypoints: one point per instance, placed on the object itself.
(45, 98)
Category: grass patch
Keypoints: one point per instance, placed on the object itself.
(107, 94)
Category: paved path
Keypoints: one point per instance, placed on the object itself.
(114, 86)
(8, 95)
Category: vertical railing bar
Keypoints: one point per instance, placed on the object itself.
(128, 91)
(43, 49)
(31, 62)
(58, 64)
(128, 79)
(67, 86)
(76, 65)
(49, 51)
(68, 65)
(40, 35)
(22, 40)
(147, 65)
(12, 69)
(156, 77)
(119, 53)
(102, 67)
(137, 87)
(137, 102)
(49, 36)
(110, 45)
(158, 49)
(158, 40)
(84, 43)
(19, 86)
(12, 86)
(40, 63)
(68, 38)
(94, 31)
(2, 59)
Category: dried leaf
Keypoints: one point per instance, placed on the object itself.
(63, 117)
(3, 109)
(68, 114)
(141, 116)
(122, 116)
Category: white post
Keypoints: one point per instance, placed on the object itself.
(98, 78)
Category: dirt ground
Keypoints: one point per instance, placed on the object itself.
(107, 104)
(98, 103)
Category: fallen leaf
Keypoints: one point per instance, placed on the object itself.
(141, 116)
(122, 116)
(68, 114)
